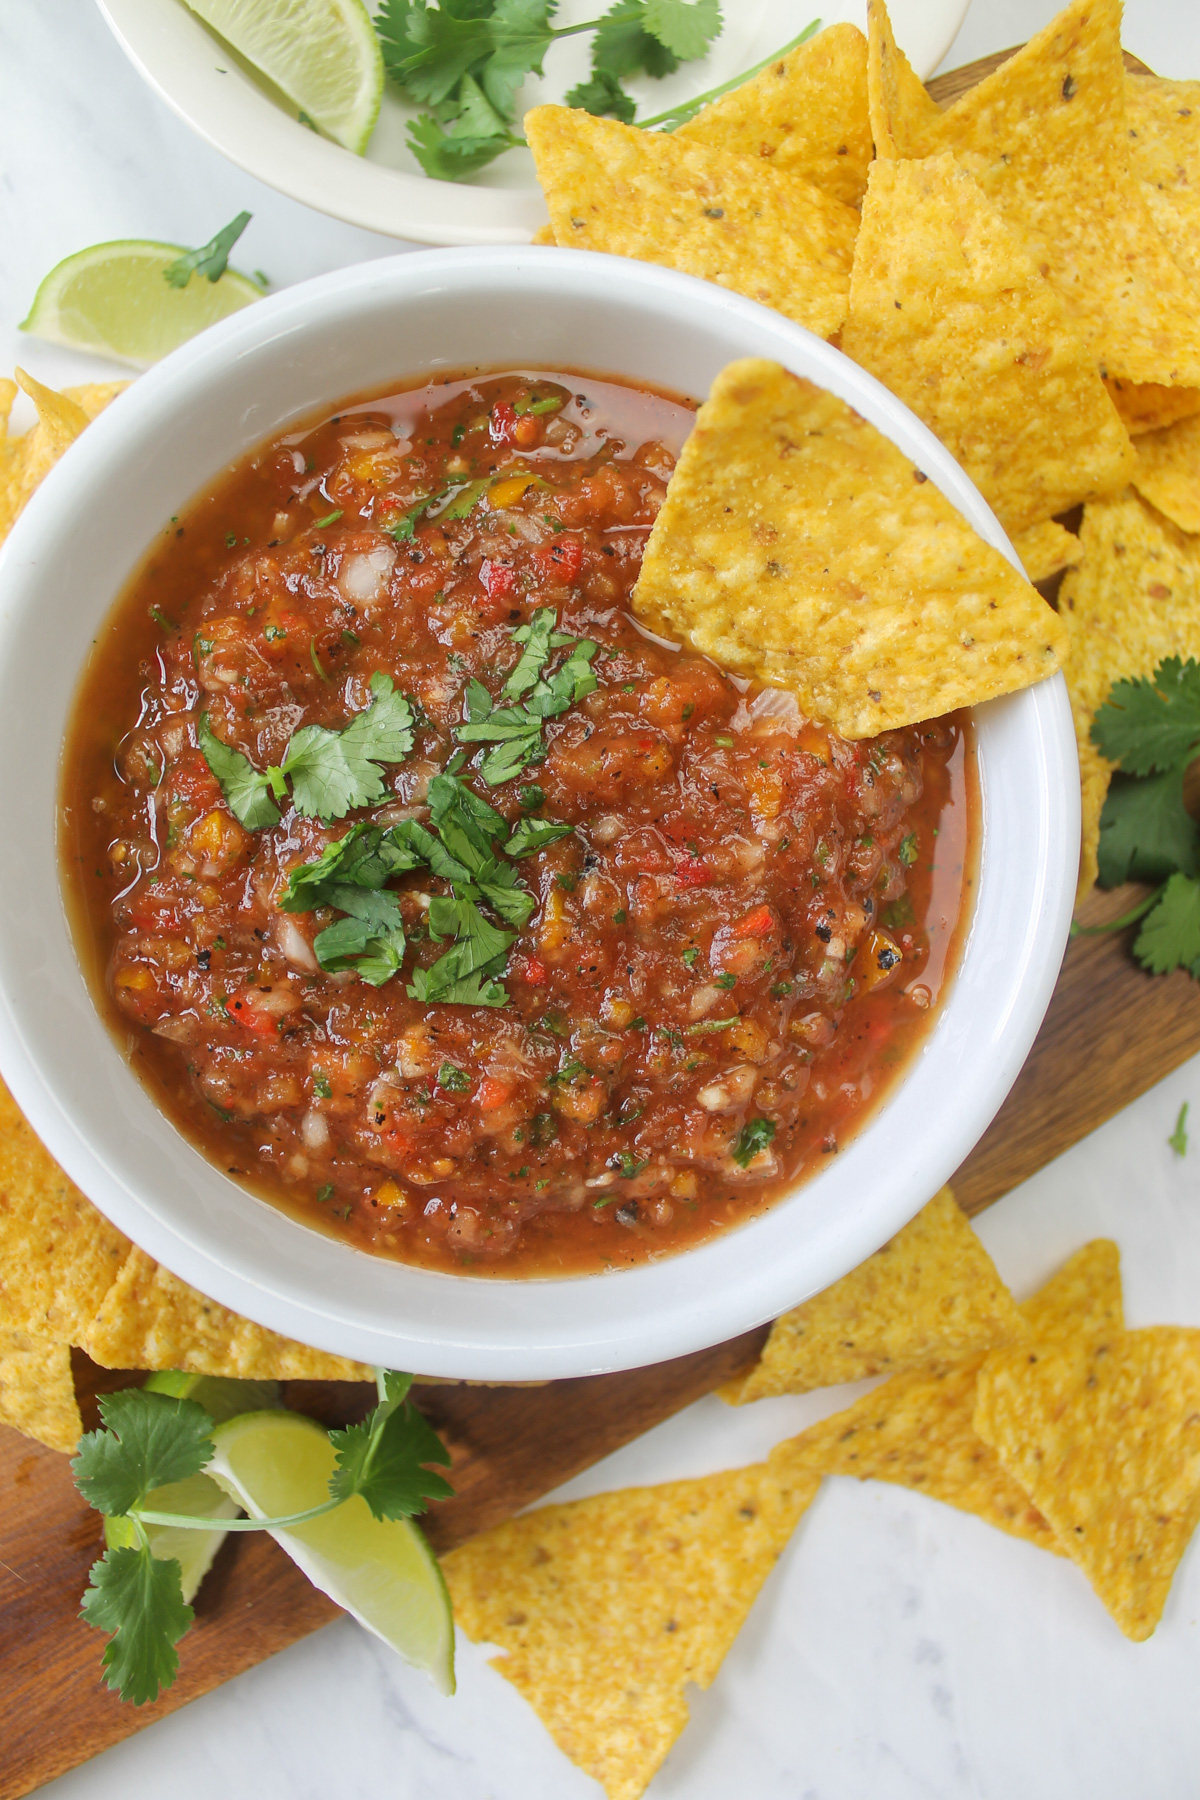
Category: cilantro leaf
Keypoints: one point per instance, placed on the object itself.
(1170, 934)
(462, 977)
(522, 34)
(333, 771)
(370, 939)
(536, 638)
(518, 729)
(754, 1136)
(534, 834)
(451, 152)
(686, 27)
(622, 45)
(603, 96)
(210, 259)
(384, 732)
(428, 49)
(384, 1458)
(1151, 725)
(365, 857)
(246, 789)
(1146, 832)
(452, 801)
(1178, 1139)
(138, 1597)
(148, 1441)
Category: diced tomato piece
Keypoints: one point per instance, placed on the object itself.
(498, 579)
(531, 969)
(502, 421)
(759, 922)
(243, 1011)
(492, 1093)
(560, 562)
(147, 914)
(692, 871)
(193, 782)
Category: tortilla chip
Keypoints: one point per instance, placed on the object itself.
(58, 1255)
(1148, 407)
(799, 546)
(931, 1293)
(901, 112)
(949, 311)
(1046, 549)
(1104, 1436)
(37, 1396)
(1133, 600)
(607, 1607)
(1163, 123)
(544, 235)
(1168, 472)
(149, 1319)
(1045, 137)
(807, 113)
(25, 461)
(917, 1429)
(774, 237)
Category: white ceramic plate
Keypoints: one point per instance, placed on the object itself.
(385, 190)
(70, 555)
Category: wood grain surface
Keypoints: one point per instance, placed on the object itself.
(1110, 1033)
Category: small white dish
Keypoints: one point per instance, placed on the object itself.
(385, 191)
(70, 555)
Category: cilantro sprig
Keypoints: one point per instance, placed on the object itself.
(148, 1441)
(211, 259)
(1151, 730)
(465, 60)
(516, 730)
(331, 772)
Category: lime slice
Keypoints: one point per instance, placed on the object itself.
(381, 1571)
(113, 299)
(322, 55)
(220, 1395)
(199, 1496)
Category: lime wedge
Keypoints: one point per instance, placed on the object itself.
(381, 1571)
(198, 1497)
(322, 55)
(113, 299)
(220, 1395)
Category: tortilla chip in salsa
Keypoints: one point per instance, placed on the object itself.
(949, 310)
(799, 546)
(654, 196)
(605, 1608)
(931, 1293)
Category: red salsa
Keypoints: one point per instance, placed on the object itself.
(438, 901)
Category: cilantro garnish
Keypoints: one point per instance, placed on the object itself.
(517, 730)
(1178, 1139)
(534, 834)
(210, 259)
(150, 1440)
(453, 1079)
(1151, 730)
(331, 772)
(754, 1136)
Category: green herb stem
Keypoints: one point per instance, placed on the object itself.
(186, 1522)
(679, 115)
(1130, 918)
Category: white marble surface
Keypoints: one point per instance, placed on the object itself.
(901, 1651)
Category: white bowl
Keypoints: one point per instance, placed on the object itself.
(69, 557)
(385, 191)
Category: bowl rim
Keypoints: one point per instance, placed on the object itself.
(687, 1301)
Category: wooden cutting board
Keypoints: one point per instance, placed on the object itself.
(1111, 1032)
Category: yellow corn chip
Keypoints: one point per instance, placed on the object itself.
(1133, 600)
(646, 194)
(949, 311)
(917, 1429)
(932, 1293)
(606, 1607)
(94, 396)
(1104, 1436)
(25, 461)
(1163, 120)
(807, 113)
(60, 421)
(37, 1396)
(58, 1255)
(1168, 472)
(1148, 407)
(1045, 137)
(543, 235)
(798, 545)
(1045, 549)
(901, 112)
(151, 1320)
